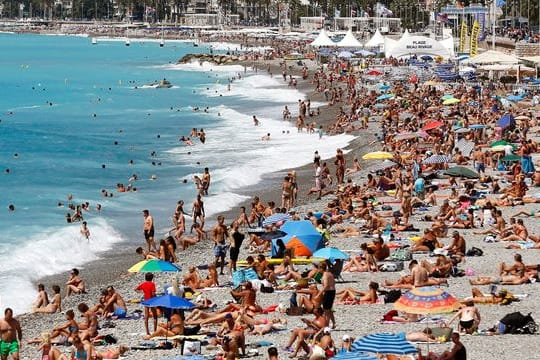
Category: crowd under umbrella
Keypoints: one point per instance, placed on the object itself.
(385, 343)
(169, 302)
(154, 265)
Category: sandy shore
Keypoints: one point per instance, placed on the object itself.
(354, 320)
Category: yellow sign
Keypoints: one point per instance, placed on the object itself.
(474, 38)
(463, 37)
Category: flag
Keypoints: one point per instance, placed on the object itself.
(463, 36)
(383, 10)
(500, 3)
(474, 39)
(442, 18)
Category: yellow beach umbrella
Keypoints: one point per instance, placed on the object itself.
(378, 155)
(451, 101)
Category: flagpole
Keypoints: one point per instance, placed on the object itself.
(493, 23)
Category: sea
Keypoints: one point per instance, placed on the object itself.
(77, 118)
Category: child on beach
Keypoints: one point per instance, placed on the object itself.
(149, 290)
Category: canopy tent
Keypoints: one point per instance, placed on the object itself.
(405, 35)
(448, 43)
(349, 41)
(532, 59)
(377, 40)
(389, 43)
(492, 57)
(418, 45)
(322, 40)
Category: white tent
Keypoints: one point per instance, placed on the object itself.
(389, 44)
(376, 40)
(322, 40)
(533, 59)
(448, 43)
(405, 35)
(417, 45)
(349, 41)
(492, 57)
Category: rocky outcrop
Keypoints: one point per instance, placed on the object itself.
(214, 59)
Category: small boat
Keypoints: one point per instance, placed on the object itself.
(94, 41)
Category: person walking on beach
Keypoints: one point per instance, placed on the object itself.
(198, 211)
(149, 291)
(340, 166)
(10, 336)
(148, 231)
(219, 234)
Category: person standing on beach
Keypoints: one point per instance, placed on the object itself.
(149, 291)
(340, 166)
(206, 181)
(328, 293)
(219, 234)
(235, 239)
(198, 211)
(148, 231)
(10, 336)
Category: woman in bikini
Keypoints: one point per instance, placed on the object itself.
(55, 305)
(75, 285)
(82, 350)
(174, 327)
(350, 295)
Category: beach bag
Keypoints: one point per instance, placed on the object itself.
(517, 323)
(391, 266)
(442, 333)
(474, 251)
(295, 311)
(401, 255)
(241, 276)
(191, 347)
(392, 296)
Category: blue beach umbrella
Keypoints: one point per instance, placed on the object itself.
(301, 231)
(506, 120)
(384, 87)
(169, 302)
(330, 253)
(379, 106)
(353, 355)
(477, 126)
(384, 97)
(385, 343)
(515, 97)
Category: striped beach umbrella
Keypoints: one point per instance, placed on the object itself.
(385, 343)
(437, 159)
(275, 218)
(465, 146)
(426, 300)
(154, 265)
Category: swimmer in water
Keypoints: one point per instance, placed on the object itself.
(266, 137)
(84, 231)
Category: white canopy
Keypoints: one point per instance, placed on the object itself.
(492, 57)
(349, 41)
(389, 43)
(376, 40)
(405, 35)
(533, 59)
(322, 40)
(417, 45)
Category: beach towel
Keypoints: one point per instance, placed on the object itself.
(241, 276)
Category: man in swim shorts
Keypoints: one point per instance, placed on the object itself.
(328, 294)
(148, 231)
(10, 336)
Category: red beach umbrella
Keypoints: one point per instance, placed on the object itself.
(374, 73)
(432, 125)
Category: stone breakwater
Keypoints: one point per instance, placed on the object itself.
(214, 59)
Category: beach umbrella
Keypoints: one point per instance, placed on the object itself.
(384, 97)
(330, 253)
(465, 146)
(511, 158)
(169, 302)
(515, 97)
(461, 171)
(353, 355)
(437, 159)
(378, 155)
(432, 125)
(154, 265)
(364, 52)
(451, 101)
(379, 106)
(462, 130)
(506, 120)
(384, 343)
(374, 73)
(345, 54)
(426, 58)
(447, 96)
(498, 148)
(498, 143)
(522, 117)
(275, 218)
(384, 87)
(301, 236)
(426, 300)
(477, 126)
(270, 235)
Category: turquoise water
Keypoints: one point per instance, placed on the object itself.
(63, 105)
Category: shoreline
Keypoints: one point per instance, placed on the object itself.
(116, 264)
